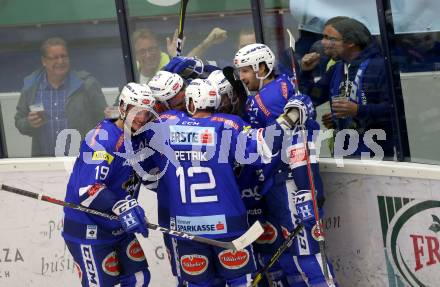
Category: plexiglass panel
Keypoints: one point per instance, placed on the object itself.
(61, 66)
(340, 65)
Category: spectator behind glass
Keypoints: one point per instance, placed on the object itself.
(355, 86)
(327, 57)
(54, 98)
(150, 59)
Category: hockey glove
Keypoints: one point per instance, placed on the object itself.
(185, 67)
(295, 113)
(304, 207)
(131, 216)
(189, 68)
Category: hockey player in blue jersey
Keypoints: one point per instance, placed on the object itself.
(255, 64)
(106, 251)
(200, 184)
(259, 113)
(168, 88)
(248, 185)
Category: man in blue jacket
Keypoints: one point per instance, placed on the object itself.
(356, 87)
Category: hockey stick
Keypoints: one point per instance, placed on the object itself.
(287, 242)
(246, 239)
(179, 46)
(318, 233)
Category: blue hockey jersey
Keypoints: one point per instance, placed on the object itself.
(102, 175)
(196, 170)
(265, 190)
(265, 107)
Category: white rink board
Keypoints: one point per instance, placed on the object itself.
(32, 252)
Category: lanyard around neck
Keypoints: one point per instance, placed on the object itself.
(347, 81)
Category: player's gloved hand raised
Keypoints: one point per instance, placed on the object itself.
(295, 113)
(131, 216)
(304, 207)
(185, 66)
(189, 67)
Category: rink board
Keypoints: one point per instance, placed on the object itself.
(380, 219)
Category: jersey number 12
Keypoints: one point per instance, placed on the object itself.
(192, 172)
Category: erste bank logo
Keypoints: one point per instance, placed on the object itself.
(184, 135)
(412, 242)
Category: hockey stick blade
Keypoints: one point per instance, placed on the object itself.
(242, 240)
(189, 236)
(249, 236)
(291, 40)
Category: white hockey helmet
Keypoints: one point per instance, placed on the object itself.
(218, 79)
(224, 88)
(203, 94)
(165, 85)
(254, 54)
(137, 95)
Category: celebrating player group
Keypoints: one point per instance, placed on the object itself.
(222, 149)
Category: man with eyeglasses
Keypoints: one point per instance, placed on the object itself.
(55, 98)
(150, 59)
(356, 87)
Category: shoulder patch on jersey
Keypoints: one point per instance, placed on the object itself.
(261, 105)
(228, 122)
(102, 155)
